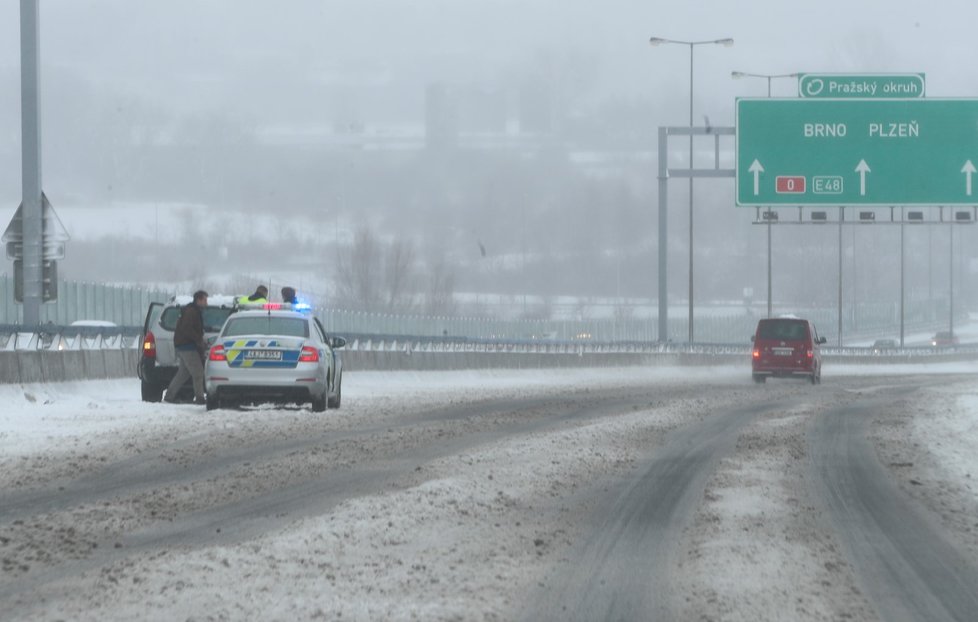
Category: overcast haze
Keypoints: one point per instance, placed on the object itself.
(315, 111)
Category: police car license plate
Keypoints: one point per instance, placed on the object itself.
(782, 351)
(263, 355)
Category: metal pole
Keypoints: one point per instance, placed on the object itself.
(31, 210)
(691, 46)
(951, 278)
(855, 287)
(768, 209)
(930, 273)
(663, 235)
(769, 297)
(842, 217)
(902, 275)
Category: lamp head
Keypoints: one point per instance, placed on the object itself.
(725, 42)
(656, 41)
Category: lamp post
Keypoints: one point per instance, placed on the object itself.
(768, 77)
(692, 44)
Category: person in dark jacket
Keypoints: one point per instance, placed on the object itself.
(188, 340)
(288, 295)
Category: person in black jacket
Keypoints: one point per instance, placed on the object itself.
(288, 295)
(188, 340)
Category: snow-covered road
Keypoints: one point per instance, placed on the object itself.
(463, 495)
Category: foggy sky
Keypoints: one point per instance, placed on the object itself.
(304, 63)
(255, 58)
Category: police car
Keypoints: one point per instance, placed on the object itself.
(274, 353)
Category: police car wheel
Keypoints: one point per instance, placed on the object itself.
(319, 404)
(334, 401)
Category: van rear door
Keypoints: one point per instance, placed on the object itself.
(152, 315)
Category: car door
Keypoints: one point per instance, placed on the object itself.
(152, 316)
(330, 353)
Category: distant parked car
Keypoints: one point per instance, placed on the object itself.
(884, 345)
(94, 323)
(944, 339)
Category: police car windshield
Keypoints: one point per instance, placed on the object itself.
(292, 327)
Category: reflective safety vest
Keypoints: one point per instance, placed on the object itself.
(248, 300)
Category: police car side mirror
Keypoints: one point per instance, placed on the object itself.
(337, 342)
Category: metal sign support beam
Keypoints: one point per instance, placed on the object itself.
(31, 159)
(664, 174)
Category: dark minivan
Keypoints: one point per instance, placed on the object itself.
(786, 348)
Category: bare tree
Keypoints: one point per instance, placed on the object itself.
(357, 273)
(399, 267)
(372, 276)
(440, 289)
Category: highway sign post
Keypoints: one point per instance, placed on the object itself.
(52, 243)
(53, 233)
(49, 281)
(851, 85)
(885, 152)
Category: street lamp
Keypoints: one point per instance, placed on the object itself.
(692, 44)
(743, 74)
(768, 77)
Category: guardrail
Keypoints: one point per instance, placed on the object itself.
(75, 353)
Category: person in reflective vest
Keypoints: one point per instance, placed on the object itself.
(259, 297)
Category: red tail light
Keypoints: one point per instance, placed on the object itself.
(756, 353)
(309, 354)
(810, 354)
(149, 346)
(217, 353)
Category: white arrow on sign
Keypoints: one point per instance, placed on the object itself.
(968, 169)
(862, 168)
(757, 169)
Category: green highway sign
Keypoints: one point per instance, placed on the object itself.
(857, 152)
(873, 86)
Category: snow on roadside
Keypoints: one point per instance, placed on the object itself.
(953, 430)
(422, 553)
(46, 419)
(475, 531)
(932, 452)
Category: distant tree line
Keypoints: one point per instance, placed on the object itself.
(387, 276)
